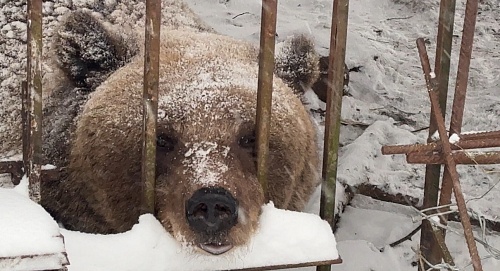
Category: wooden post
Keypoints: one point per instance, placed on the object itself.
(150, 102)
(265, 88)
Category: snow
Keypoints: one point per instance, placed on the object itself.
(454, 138)
(24, 224)
(284, 237)
(206, 170)
(368, 227)
(388, 95)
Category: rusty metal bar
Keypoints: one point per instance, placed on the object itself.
(333, 108)
(288, 266)
(437, 147)
(463, 66)
(462, 158)
(25, 122)
(439, 237)
(265, 88)
(150, 101)
(335, 89)
(481, 135)
(450, 163)
(459, 101)
(429, 249)
(34, 79)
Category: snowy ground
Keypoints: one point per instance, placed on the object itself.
(381, 39)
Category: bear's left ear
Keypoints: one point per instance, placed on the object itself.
(297, 63)
(87, 52)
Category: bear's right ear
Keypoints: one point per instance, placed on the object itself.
(320, 87)
(87, 52)
(297, 62)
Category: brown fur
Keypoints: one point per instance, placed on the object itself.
(207, 105)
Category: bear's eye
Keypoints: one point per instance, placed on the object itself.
(165, 143)
(247, 141)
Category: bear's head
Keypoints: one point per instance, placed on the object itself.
(207, 192)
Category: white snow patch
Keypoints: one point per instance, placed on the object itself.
(207, 171)
(23, 187)
(283, 237)
(454, 138)
(435, 136)
(26, 229)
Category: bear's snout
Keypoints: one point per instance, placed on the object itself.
(212, 210)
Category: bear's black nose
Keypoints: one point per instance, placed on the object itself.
(211, 210)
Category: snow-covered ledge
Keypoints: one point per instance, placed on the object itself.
(284, 238)
(30, 238)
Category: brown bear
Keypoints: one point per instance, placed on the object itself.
(207, 192)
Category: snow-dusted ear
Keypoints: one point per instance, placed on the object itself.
(87, 52)
(297, 62)
(321, 85)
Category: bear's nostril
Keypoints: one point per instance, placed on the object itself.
(200, 210)
(222, 211)
(211, 210)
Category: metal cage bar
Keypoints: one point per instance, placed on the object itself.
(150, 102)
(32, 99)
(34, 78)
(429, 248)
(335, 90)
(265, 88)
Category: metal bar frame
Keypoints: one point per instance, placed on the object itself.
(457, 113)
(150, 102)
(34, 87)
(265, 89)
(32, 106)
(430, 250)
(450, 162)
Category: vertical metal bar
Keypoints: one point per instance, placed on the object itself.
(265, 88)
(335, 88)
(334, 106)
(460, 91)
(428, 245)
(25, 111)
(34, 78)
(150, 102)
(450, 163)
